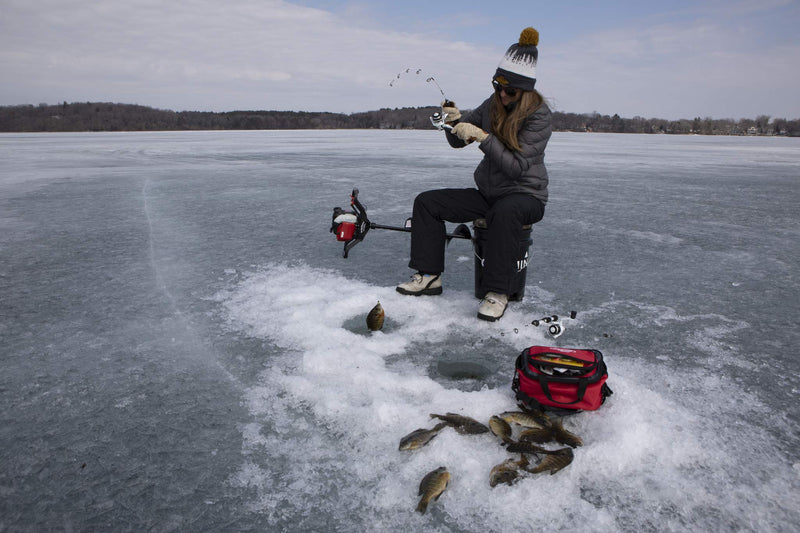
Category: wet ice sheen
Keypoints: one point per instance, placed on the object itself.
(185, 349)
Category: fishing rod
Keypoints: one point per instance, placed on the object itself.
(416, 72)
(352, 226)
(438, 118)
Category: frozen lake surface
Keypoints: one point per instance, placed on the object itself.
(184, 347)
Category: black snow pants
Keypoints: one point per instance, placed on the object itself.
(504, 216)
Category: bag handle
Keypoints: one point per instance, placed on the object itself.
(582, 383)
(530, 403)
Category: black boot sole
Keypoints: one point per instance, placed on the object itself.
(490, 318)
(427, 292)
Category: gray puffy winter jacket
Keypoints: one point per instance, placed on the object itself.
(503, 171)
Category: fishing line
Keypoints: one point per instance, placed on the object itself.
(416, 71)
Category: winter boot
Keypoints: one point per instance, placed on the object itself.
(492, 306)
(422, 284)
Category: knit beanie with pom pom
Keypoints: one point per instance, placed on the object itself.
(518, 67)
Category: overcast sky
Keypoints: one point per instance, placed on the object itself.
(661, 59)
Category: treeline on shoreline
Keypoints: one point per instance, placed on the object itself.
(100, 116)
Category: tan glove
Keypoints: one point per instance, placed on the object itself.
(450, 112)
(469, 132)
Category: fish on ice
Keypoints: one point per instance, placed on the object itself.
(554, 433)
(537, 435)
(508, 471)
(432, 486)
(500, 428)
(463, 424)
(420, 437)
(526, 447)
(528, 420)
(554, 461)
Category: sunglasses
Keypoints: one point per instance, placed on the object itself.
(508, 90)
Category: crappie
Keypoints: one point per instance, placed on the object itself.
(432, 486)
(420, 437)
(507, 472)
(462, 424)
(375, 317)
(554, 461)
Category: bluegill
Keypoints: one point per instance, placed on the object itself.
(538, 435)
(462, 424)
(500, 428)
(375, 317)
(432, 486)
(528, 420)
(420, 437)
(526, 447)
(507, 472)
(554, 461)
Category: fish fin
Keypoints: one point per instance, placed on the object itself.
(422, 506)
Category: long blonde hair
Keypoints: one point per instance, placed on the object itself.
(505, 125)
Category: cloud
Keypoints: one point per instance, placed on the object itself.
(674, 71)
(218, 56)
(271, 54)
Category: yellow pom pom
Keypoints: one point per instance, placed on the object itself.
(529, 36)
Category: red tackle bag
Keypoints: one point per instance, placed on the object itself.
(560, 378)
